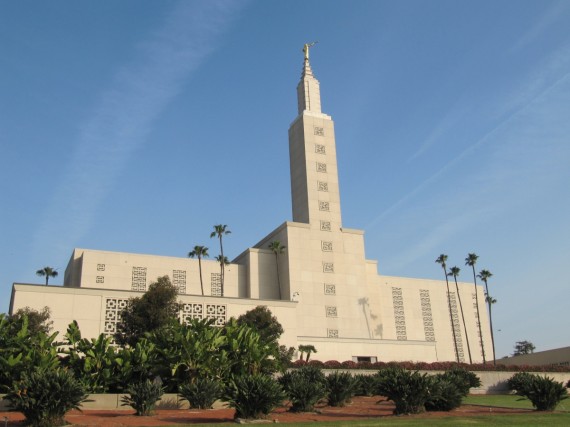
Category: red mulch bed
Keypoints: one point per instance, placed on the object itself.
(360, 408)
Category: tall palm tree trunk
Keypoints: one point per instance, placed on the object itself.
(451, 317)
(200, 268)
(278, 279)
(478, 316)
(463, 319)
(223, 268)
(489, 303)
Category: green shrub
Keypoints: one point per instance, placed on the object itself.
(408, 390)
(365, 385)
(143, 396)
(444, 394)
(545, 393)
(520, 382)
(463, 379)
(253, 396)
(340, 387)
(202, 393)
(304, 387)
(45, 396)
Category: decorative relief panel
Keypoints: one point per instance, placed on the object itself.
(320, 149)
(399, 315)
(100, 267)
(323, 186)
(331, 311)
(324, 206)
(332, 333)
(328, 267)
(426, 315)
(319, 131)
(456, 326)
(325, 226)
(216, 284)
(139, 279)
(188, 311)
(113, 309)
(179, 280)
(191, 311)
(330, 289)
(216, 312)
(100, 279)
(321, 167)
(327, 246)
(477, 323)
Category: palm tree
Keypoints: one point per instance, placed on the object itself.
(277, 249)
(441, 260)
(484, 275)
(47, 272)
(454, 271)
(471, 260)
(221, 230)
(199, 252)
(223, 262)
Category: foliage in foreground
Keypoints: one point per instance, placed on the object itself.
(253, 396)
(545, 393)
(202, 393)
(340, 387)
(142, 396)
(45, 396)
(408, 390)
(304, 388)
(444, 394)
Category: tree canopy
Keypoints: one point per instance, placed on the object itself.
(523, 347)
(155, 309)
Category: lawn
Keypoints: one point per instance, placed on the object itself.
(520, 420)
(508, 401)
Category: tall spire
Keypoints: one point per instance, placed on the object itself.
(308, 90)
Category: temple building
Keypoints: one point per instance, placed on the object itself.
(322, 288)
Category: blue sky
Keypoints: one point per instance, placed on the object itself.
(136, 125)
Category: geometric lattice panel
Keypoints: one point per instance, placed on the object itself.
(325, 226)
(113, 309)
(332, 333)
(330, 289)
(456, 326)
(216, 284)
(139, 279)
(191, 311)
(399, 315)
(320, 149)
(216, 312)
(330, 311)
(179, 280)
(426, 315)
(319, 131)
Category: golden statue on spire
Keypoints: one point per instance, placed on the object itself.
(306, 49)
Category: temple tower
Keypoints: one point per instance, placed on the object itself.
(312, 154)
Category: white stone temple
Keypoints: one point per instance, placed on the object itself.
(322, 288)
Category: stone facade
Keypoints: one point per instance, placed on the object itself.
(327, 293)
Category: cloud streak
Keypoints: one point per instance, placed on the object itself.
(526, 157)
(125, 113)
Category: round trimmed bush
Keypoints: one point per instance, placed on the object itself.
(45, 396)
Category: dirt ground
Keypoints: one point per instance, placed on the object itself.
(360, 408)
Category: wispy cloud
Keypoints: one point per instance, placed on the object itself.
(126, 111)
(551, 15)
(526, 156)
